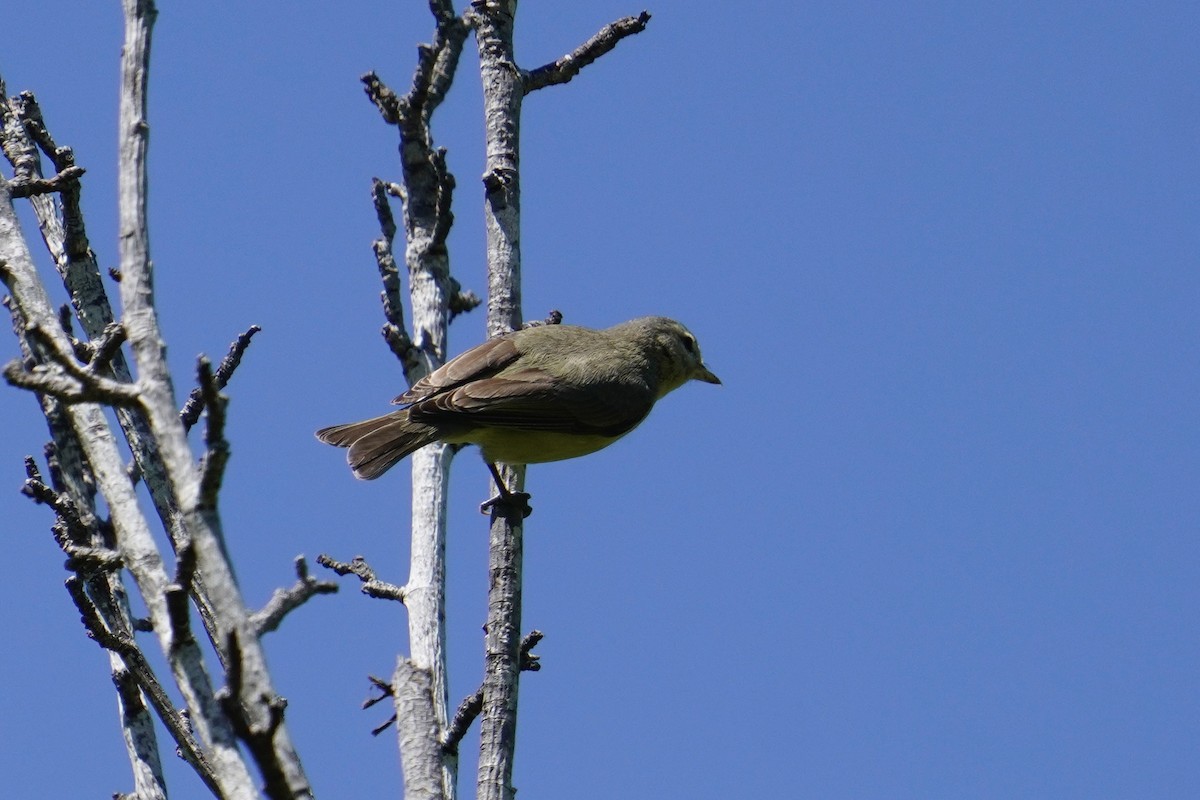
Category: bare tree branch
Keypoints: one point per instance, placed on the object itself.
(567, 67)
(60, 374)
(176, 596)
(71, 533)
(136, 543)
(255, 695)
(258, 735)
(371, 586)
(462, 300)
(104, 349)
(212, 469)
(503, 92)
(73, 375)
(28, 187)
(417, 728)
(394, 331)
(44, 380)
(66, 238)
(383, 687)
(194, 407)
(284, 601)
(123, 645)
(88, 542)
(18, 148)
(470, 707)
(425, 190)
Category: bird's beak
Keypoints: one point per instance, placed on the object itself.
(703, 374)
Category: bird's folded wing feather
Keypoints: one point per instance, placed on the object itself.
(531, 399)
(481, 361)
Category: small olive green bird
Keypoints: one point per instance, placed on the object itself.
(538, 394)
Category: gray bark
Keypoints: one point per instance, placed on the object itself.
(237, 638)
(420, 685)
(502, 93)
(75, 379)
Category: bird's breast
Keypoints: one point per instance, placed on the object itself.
(534, 447)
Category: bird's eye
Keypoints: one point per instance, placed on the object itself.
(689, 344)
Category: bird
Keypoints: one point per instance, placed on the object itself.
(530, 396)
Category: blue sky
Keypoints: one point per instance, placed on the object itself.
(936, 536)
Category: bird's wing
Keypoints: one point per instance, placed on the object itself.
(481, 361)
(530, 399)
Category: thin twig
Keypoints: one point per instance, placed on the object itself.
(73, 534)
(462, 300)
(387, 101)
(555, 317)
(126, 647)
(217, 454)
(394, 331)
(384, 688)
(284, 601)
(385, 691)
(567, 67)
(18, 148)
(470, 707)
(432, 80)
(37, 490)
(194, 407)
(81, 349)
(371, 586)
(68, 240)
(26, 107)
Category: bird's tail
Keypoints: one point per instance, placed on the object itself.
(377, 444)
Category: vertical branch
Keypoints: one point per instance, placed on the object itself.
(256, 697)
(503, 92)
(137, 288)
(504, 87)
(418, 731)
(420, 683)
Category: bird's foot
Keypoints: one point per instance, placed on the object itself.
(508, 504)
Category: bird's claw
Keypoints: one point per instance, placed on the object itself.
(508, 504)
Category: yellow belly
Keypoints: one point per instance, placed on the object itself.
(532, 447)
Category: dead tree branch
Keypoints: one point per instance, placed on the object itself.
(256, 696)
(371, 586)
(29, 187)
(123, 645)
(470, 707)
(567, 67)
(284, 601)
(503, 91)
(194, 407)
(425, 190)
